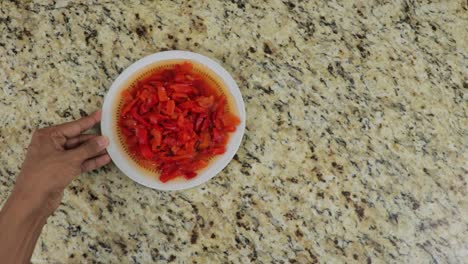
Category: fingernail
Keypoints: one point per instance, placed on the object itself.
(102, 141)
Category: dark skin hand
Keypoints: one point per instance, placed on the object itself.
(55, 156)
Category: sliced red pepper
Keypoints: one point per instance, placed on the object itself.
(187, 105)
(142, 135)
(218, 151)
(185, 67)
(128, 107)
(126, 95)
(190, 147)
(180, 121)
(205, 141)
(137, 117)
(146, 151)
(168, 175)
(180, 78)
(230, 128)
(205, 101)
(153, 118)
(198, 164)
(144, 94)
(230, 120)
(126, 131)
(144, 108)
(218, 136)
(130, 123)
(157, 139)
(132, 141)
(220, 104)
(179, 96)
(162, 95)
(152, 99)
(199, 122)
(206, 125)
(170, 106)
(190, 175)
(198, 109)
(182, 88)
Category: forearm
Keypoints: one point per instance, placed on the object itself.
(20, 226)
(55, 156)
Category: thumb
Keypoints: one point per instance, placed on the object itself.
(90, 148)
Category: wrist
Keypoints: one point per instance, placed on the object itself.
(23, 204)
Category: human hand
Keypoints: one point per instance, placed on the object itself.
(55, 156)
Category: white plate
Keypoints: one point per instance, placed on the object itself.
(128, 166)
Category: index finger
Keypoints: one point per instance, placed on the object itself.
(74, 128)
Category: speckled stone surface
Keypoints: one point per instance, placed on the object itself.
(356, 140)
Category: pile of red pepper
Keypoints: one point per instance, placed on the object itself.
(177, 120)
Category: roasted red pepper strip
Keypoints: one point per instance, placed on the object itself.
(170, 106)
(128, 107)
(162, 94)
(138, 118)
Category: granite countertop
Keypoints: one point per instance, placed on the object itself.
(356, 140)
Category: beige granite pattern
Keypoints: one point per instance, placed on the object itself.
(356, 142)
